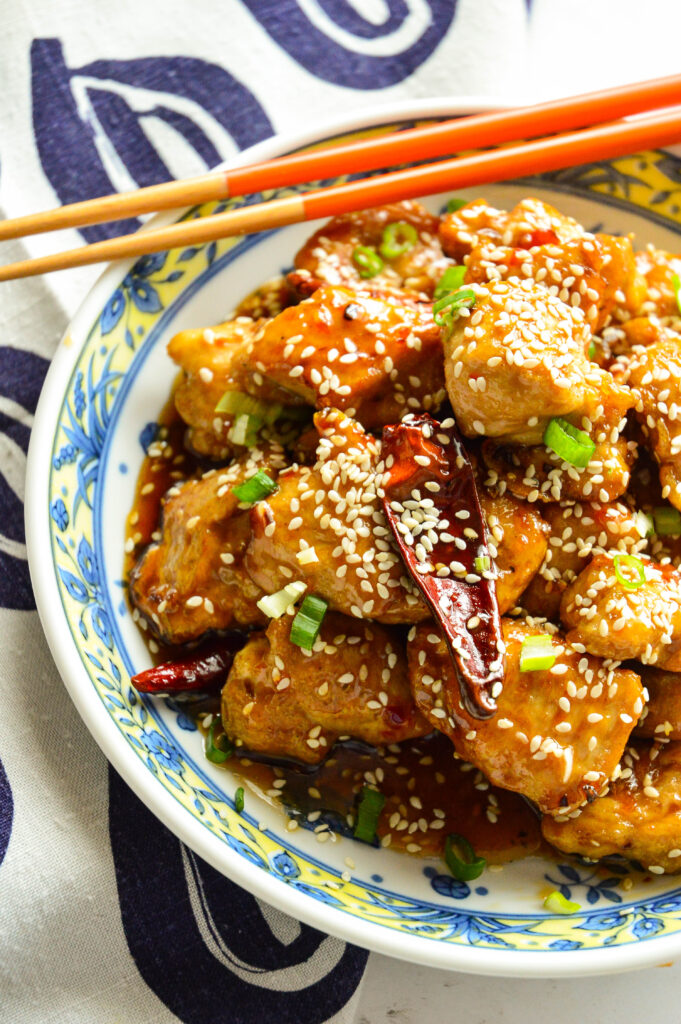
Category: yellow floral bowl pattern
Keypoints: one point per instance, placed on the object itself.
(107, 365)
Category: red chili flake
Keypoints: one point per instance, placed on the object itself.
(478, 652)
(204, 669)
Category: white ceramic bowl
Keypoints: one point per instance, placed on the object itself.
(109, 380)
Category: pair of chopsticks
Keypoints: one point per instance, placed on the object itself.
(602, 135)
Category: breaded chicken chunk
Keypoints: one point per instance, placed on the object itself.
(286, 702)
(327, 256)
(518, 359)
(623, 607)
(557, 735)
(194, 579)
(640, 817)
(334, 508)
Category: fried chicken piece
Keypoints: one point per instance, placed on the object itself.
(557, 735)
(327, 256)
(207, 358)
(535, 473)
(194, 579)
(518, 541)
(640, 817)
(662, 715)
(639, 331)
(657, 268)
(286, 702)
(613, 620)
(578, 532)
(518, 358)
(531, 223)
(654, 374)
(375, 357)
(588, 272)
(335, 508)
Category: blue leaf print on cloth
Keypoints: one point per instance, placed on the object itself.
(205, 946)
(89, 125)
(6, 812)
(333, 41)
(21, 378)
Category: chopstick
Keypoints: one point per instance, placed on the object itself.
(424, 143)
(527, 158)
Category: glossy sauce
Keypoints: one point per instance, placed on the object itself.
(429, 791)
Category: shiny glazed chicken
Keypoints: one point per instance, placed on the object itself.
(427, 500)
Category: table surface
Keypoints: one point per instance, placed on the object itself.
(66, 955)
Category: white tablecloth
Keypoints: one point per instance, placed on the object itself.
(99, 96)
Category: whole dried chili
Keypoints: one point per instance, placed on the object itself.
(203, 670)
(428, 471)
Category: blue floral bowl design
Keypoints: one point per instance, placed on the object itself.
(109, 378)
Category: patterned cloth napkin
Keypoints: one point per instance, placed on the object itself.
(105, 916)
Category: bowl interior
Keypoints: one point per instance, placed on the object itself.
(97, 415)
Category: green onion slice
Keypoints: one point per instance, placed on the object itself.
(667, 521)
(572, 445)
(245, 429)
(536, 653)
(236, 403)
(218, 750)
(482, 563)
(367, 261)
(633, 563)
(676, 284)
(275, 605)
(461, 858)
(455, 204)
(255, 488)
(558, 904)
(239, 800)
(307, 623)
(368, 812)
(398, 238)
(592, 350)
(445, 308)
(644, 524)
(451, 281)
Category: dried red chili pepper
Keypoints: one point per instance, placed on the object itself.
(420, 453)
(204, 669)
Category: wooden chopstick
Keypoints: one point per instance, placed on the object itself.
(528, 158)
(425, 143)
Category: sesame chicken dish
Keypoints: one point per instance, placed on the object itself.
(407, 542)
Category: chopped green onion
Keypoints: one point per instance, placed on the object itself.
(558, 904)
(306, 557)
(244, 430)
(274, 605)
(368, 812)
(451, 281)
(255, 488)
(237, 403)
(461, 858)
(307, 623)
(445, 308)
(239, 800)
(482, 563)
(455, 204)
(398, 238)
(634, 563)
(667, 521)
(217, 750)
(676, 284)
(367, 261)
(592, 349)
(572, 445)
(536, 653)
(644, 524)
